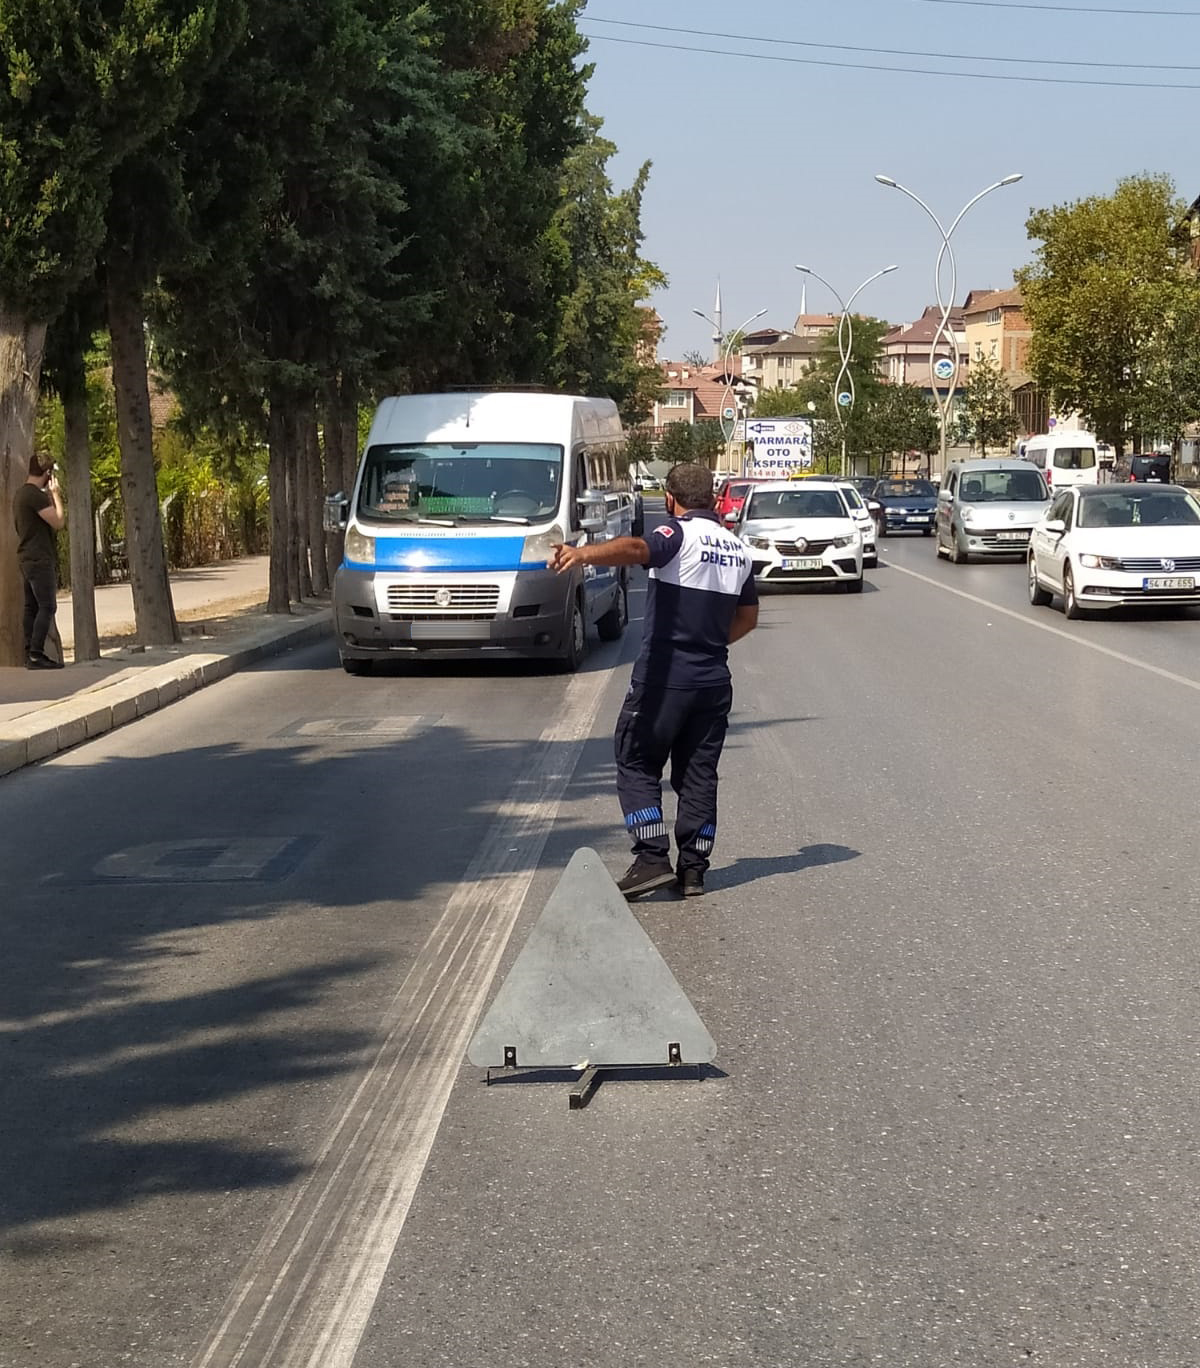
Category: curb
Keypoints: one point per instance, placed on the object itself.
(59, 726)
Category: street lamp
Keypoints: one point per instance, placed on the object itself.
(726, 359)
(845, 347)
(946, 305)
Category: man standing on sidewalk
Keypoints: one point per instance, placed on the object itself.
(38, 512)
(701, 599)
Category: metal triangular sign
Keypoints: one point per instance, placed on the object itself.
(589, 988)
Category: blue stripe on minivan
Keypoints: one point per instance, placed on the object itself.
(488, 554)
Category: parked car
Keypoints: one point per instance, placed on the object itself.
(1152, 469)
(802, 533)
(1105, 546)
(908, 505)
(731, 498)
(988, 508)
(862, 515)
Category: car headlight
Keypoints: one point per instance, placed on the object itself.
(842, 542)
(1100, 562)
(968, 512)
(360, 547)
(539, 548)
(759, 543)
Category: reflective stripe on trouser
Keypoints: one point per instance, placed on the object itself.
(686, 727)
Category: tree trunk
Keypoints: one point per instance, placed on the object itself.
(334, 461)
(153, 610)
(277, 592)
(315, 500)
(80, 521)
(296, 526)
(348, 413)
(22, 341)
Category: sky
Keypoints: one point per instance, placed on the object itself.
(758, 165)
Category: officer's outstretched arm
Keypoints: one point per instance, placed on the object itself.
(619, 551)
(745, 620)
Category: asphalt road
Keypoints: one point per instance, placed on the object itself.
(948, 956)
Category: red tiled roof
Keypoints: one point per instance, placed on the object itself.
(996, 299)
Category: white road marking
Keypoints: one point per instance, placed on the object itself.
(1054, 631)
(306, 1294)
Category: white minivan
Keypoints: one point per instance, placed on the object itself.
(1065, 458)
(457, 505)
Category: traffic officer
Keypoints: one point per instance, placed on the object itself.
(701, 599)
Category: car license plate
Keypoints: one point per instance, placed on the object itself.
(803, 563)
(923, 518)
(1012, 536)
(1169, 582)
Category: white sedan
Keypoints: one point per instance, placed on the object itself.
(1108, 546)
(802, 532)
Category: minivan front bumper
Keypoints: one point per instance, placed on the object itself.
(379, 613)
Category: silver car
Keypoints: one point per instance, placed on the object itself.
(988, 508)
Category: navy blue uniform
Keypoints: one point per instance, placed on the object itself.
(677, 708)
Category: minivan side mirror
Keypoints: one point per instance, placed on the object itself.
(336, 512)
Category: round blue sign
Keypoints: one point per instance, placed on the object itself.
(845, 398)
(943, 368)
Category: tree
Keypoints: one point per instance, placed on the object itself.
(596, 236)
(85, 83)
(902, 419)
(1111, 300)
(987, 418)
(695, 357)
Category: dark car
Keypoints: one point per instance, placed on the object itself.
(908, 505)
(1150, 470)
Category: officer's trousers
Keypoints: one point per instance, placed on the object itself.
(687, 727)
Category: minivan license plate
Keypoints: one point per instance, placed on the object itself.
(804, 563)
(1012, 536)
(1169, 582)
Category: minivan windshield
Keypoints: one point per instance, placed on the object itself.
(459, 482)
(1002, 486)
(1125, 507)
(796, 503)
(1075, 458)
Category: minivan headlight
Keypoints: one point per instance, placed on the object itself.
(539, 548)
(360, 548)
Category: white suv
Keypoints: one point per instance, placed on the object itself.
(802, 532)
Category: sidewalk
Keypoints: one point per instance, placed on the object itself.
(225, 628)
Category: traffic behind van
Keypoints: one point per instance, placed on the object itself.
(1065, 458)
(457, 504)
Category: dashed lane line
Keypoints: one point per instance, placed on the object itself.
(1054, 631)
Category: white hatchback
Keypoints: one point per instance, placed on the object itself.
(802, 532)
(1109, 546)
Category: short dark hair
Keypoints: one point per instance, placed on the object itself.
(40, 465)
(691, 485)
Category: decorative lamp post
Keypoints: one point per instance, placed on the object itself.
(726, 360)
(843, 399)
(945, 368)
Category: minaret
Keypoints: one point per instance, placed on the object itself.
(803, 299)
(719, 334)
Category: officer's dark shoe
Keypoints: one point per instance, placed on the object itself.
(644, 876)
(691, 883)
(39, 660)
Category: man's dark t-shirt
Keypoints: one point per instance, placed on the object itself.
(699, 576)
(35, 537)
